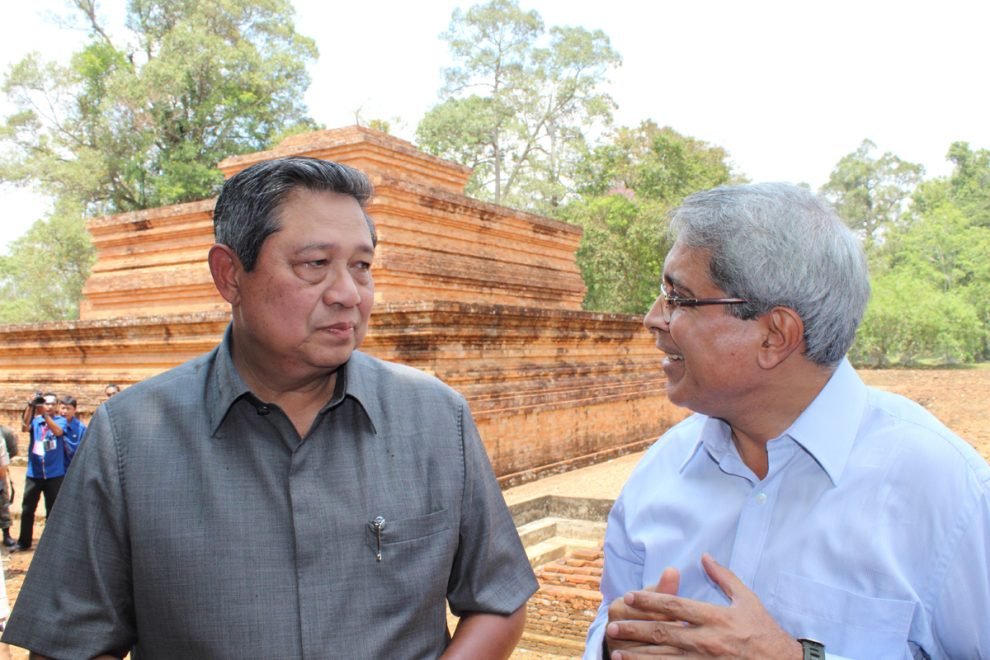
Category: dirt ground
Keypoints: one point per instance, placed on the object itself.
(958, 397)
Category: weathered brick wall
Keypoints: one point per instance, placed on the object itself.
(550, 389)
(558, 615)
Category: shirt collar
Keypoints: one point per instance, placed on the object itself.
(826, 429)
(714, 436)
(358, 379)
(224, 384)
(228, 386)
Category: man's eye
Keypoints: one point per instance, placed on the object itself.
(363, 265)
(317, 263)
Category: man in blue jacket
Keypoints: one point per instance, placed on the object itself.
(48, 457)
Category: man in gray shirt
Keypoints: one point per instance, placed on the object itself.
(283, 496)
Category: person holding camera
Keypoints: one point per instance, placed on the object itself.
(48, 457)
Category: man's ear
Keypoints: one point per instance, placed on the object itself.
(783, 334)
(225, 268)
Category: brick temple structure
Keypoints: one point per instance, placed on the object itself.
(485, 297)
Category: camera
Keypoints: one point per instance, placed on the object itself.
(38, 400)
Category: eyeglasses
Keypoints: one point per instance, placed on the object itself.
(669, 303)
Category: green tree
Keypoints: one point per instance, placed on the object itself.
(968, 187)
(870, 192)
(51, 262)
(141, 120)
(517, 105)
(907, 319)
(931, 287)
(629, 186)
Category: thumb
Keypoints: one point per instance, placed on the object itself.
(726, 580)
(670, 581)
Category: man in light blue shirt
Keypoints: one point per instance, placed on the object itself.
(799, 513)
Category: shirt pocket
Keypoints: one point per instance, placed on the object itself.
(849, 624)
(425, 542)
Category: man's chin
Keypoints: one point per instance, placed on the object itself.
(676, 396)
(333, 358)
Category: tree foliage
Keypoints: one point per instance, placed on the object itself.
(870, 192)
(931, 285)
(50, 263)
(518, 103)
(629, 186)
(140, 121)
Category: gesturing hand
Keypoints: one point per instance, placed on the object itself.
(622, 610)
(659, 623)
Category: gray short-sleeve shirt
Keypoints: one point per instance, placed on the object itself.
(196, 523)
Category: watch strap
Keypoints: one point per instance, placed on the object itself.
(813, 649)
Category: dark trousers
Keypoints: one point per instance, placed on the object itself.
(33, 488)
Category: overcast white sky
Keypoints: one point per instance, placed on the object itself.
(787, 87)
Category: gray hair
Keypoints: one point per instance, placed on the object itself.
(776, 244)
(246, 212)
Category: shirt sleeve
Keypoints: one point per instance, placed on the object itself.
(962, 610)
(73, 437)
(622, 572)
(80, 576)
(491, 572)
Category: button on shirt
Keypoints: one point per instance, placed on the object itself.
(196, 523)
(870, 532)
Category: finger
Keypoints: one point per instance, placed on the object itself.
(666, 607)
(642, 652)
(726, 580)
(641, 648)
(622, 609)
(654, 634)
(670, 581)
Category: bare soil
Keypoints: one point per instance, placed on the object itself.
(959, 397)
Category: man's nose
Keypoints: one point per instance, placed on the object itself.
(654, 318)
(342, 289)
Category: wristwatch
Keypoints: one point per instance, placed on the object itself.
(813, 649)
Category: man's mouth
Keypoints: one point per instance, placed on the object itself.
(339, 328)
(670, 354)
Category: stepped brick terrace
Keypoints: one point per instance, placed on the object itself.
(485, 297)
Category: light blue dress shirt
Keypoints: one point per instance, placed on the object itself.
(870, 532)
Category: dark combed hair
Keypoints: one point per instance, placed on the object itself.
(246, 211)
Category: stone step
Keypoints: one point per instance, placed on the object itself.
(581, 529)
(556, 548)
(545, 551)
(539, 530)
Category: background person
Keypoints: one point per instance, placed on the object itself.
(332, 504)
(110, 390)
(7, 448)
(797, 507)
(74, 429)
(47, 462)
